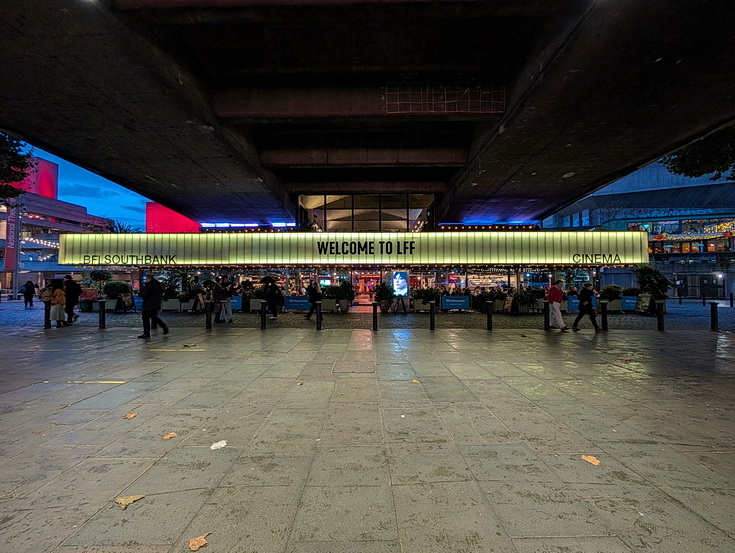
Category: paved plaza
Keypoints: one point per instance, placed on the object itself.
(346, 440)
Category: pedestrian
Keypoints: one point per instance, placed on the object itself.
(58, 301)
(314, 296)
(152, 292)
(270, 294)
(219, 295)
(227, 287)
(72, 291)
(586, 308)
(29, 290)
(555, 297)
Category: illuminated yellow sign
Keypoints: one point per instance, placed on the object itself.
(356, 248)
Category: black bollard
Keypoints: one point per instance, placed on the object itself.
(547, 323)
(263, 305)
(375, 315)
(679, 294)
(603, 313)
(731, 298)
(103, 311)
(704, 299)
(432, 311)
(318, 315)
(47, 314)
(208, 308)
(714, 323)
(489, 307)
(660, 314)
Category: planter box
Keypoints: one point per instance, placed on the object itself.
(255, 306)
(615, 305)
(329, 304)
(170, 305)
(628, 303)
(421, 305)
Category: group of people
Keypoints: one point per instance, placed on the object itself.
(62, 294)
(586, 308)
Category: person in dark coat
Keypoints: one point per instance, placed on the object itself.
(29, 290)
(270, 294)
(585, 307)
(152, 292)
(73, 291)
(314, 296)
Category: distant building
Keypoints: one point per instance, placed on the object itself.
(690, 222)
(29, 233)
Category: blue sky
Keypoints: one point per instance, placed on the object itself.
(100, 196)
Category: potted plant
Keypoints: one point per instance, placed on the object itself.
(88, 298)
(114, 289)
(423, 296)
(613, 294)
(329, 298)
(630, 298)
(654, 288)
(383, 294)
(526, 298)
(344, 293)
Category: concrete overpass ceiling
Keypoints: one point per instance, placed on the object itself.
(224, 110)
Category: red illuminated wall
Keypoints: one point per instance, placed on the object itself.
(43, 180)
(163, 219)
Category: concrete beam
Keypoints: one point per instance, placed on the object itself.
(364, 157)
(368, 187)
(320, 102)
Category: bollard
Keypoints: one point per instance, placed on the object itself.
(103, 311)
(47, 314)
(432, 311)
(679, 294)
(318, 315)
(704, 299)
(208, 308)
(731, 298)
(714, 323)
(489, 307)
(375, 315)
(263, 305)
(660, 314)
(603, 313)
(547, 322)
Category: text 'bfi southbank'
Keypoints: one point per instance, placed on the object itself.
(109, 259)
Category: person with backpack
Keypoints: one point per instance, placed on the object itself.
(58, 302)
(28, 290)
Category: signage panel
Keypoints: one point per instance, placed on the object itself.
(356, 248)
(455, 302)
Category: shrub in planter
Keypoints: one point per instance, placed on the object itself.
(611, 292)
(383, 294)
(631, 291)
(427, 294)
(114, 288)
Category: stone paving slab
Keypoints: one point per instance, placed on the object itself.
(458, 441)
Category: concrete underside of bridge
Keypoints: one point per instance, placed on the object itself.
(227, 110)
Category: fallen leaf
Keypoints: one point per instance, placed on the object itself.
(130, 416)
(199, 541)
(189, 345)
(591, 459)
(416, 381)
(127, 500)
(299, 383)
(170, 435)
(218, 445)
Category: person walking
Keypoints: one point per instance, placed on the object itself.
(270, 294)
(314, 296)
(555, 297)
(29, 290)
(58, 301)
(152, 292)
(585, 307)
(227, 288)
(73, 291)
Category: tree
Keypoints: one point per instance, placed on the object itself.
(715, 153)
(117, 227)
(15, 166)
